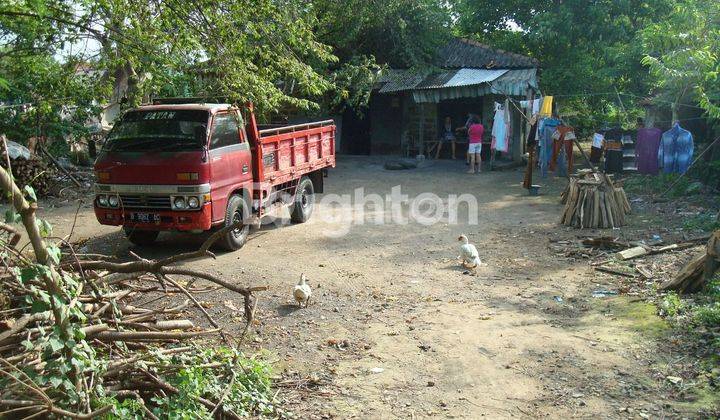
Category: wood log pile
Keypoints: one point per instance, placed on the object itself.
(697, 273)
(593, 201)
(34, 172)
(37, 168)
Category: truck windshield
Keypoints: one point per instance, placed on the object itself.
(152, 131)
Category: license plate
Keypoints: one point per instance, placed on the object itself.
(145, 218)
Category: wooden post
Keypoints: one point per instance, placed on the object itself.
(529, 97)
(421, 133)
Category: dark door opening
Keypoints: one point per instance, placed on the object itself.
(355, 132)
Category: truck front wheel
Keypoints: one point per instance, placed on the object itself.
(141, 237)
(304, 202)
(236, 212)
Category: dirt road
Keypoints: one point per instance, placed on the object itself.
(396, 330)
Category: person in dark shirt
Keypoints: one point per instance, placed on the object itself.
(447, 136)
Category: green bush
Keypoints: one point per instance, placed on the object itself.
(210, 374)
(672, 305)
(651, 184)
(706, 222)
(708, 315)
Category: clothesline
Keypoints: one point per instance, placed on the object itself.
(623, 94)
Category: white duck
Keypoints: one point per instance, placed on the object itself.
(302, 291)
(468, 254)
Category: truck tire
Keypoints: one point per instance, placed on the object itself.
(304, 201)
(236, 238)
(141, 237)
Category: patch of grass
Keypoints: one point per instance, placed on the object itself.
(649, 184)
(706, 399)
(699, 316)
(640, 317)
(706, 222)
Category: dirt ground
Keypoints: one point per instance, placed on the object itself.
(396, 330)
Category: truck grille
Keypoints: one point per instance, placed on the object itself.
(145, 202)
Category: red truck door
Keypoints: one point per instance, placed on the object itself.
(230, 159)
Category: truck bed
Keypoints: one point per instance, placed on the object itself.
(286, 153)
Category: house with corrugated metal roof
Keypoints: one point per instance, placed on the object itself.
(408, 106)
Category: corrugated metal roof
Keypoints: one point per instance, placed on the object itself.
(511, 83)
(400, 80)
(469, 77)
(393, 80)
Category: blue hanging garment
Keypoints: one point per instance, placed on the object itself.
(676, 150)
(546, 129)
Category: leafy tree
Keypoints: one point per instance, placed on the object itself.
(398, 33)
(260, 50)
(683, 53)
(369, 35)
(583, 47)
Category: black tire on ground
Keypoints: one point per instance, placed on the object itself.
(236, 211)
(304, 201)
(141, 237)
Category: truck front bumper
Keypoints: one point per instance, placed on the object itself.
(168, 220)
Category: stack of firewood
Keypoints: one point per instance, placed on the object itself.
(34, 172)
(593, 201)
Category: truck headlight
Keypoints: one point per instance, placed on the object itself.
(179, 203)
(113, 201)
(102, 200)
(193, 202)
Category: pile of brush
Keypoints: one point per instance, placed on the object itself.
(72, 329)
(593, 201)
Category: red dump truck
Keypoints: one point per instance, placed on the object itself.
(196, 167)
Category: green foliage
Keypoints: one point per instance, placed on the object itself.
(706, 222)
(67, 53)
(683, 52)
(658, 184)
(582, 46)
(208, 374)
(66, 356)
(398, 33)
(671, 305)
(708, 172)
(700, 315)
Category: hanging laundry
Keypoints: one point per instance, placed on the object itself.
(499, 130)
(597, 147)
(614, 161)
(532, 134)
(508, 127)
(536, 106)
(676, 150)
(562, 154)
(613, 134)
(646, 150)
(546, 129)
(598, 140)
(546, 108)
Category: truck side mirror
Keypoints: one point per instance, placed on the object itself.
(200, 134)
